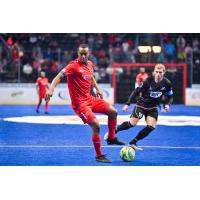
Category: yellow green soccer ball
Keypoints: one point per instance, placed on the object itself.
(127, 154)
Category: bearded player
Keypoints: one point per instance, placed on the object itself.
(80, 78)
(154, 89)
(42, 87)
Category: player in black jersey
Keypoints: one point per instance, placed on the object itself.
(154, 89)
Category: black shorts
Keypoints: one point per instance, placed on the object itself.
(140, 112)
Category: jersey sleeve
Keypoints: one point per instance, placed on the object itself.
(137, 90)
(169, 91)
(68, 70)
(168, 94)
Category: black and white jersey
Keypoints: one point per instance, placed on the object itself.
(151, 93)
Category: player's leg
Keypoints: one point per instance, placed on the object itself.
(101, 106)
(39, 103)
(96, 140)
(136, 115)
(151, 120)
(127, 124)
(46, 107)
(134, 118)
(112, 123)
(87, 116)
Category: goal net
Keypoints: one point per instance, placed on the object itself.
(124, 77)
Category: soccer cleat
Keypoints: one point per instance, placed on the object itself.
(37, 111)
(46, 112)
(103, 159)
(106, 136)
(135, 147)
(114, 141)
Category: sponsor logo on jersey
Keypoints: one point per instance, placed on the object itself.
(87, 77)
(155, 94)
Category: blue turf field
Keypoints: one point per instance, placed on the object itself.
(27, 144)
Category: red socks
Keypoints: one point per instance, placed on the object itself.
(38, 105)
(96, 139)
(112, 123)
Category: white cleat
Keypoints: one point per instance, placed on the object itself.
(105, 136)
(135, 147)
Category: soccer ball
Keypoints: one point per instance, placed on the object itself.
(127, 154)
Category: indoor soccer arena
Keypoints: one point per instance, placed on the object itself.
(36, 133)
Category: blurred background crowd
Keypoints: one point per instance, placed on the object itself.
(23, 55)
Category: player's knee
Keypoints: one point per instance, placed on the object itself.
(133, 121)
(96, 128)
(113, 113)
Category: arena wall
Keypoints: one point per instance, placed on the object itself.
(27, 94)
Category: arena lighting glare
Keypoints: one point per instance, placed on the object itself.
(156, 49)
(144, 49)
(147, 49)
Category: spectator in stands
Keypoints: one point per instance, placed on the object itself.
(180, 43)
(188, 49)
(48, 54)
(161, 56)
(170, 51)
(3, 63)
(195, 44)
(27, 71)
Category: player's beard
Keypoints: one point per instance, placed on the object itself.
(84, 61)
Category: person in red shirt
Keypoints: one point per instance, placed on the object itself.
(80, 78)
(42, 88)
(140, 77)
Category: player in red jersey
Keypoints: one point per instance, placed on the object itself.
(80, 78)
(42, 88)
(140, 77)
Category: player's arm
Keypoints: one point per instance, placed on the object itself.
(99, 92)
(168, 98)
(134, 94)
(53, 85)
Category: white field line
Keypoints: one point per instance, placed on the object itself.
(90, 146)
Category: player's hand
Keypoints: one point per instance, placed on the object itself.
(48, 95)
(125, 108)
(166, 108)
(99, 94)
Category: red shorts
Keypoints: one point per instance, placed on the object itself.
(86, 109)
(42, 95)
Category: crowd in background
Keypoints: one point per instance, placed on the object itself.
(51, 52)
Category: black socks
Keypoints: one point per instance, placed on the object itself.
(124, 126)
(142, 134)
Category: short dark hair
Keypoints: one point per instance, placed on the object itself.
(83, 46)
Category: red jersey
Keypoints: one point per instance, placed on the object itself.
(42, 84)
(79, 78)
(141, 77)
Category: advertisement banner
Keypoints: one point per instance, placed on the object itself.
(27, 94)
(193, 96)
